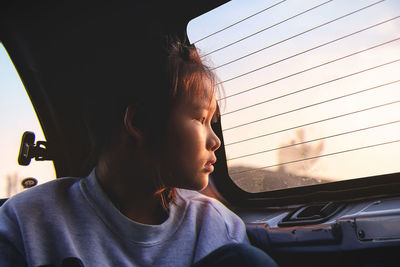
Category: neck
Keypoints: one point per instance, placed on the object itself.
(131, 189)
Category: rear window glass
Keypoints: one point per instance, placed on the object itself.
(16, 116)
(312, 89)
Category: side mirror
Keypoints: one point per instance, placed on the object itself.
(29, 150)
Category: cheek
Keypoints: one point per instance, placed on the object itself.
(185, 145)
(188, 140)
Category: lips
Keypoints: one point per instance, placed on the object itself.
(208, 167)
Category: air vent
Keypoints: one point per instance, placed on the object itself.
(311, 214)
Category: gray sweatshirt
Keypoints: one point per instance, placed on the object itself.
(72, 219)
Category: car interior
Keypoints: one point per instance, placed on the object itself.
(298, 214)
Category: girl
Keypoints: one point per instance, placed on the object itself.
(153, 148)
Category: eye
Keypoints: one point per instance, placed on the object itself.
(202, 120)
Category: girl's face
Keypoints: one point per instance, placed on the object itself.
(191, 142)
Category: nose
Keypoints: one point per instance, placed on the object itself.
(213, 142)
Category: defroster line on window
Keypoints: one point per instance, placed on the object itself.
(238, 22)
(315, 122)
(313, 105)
(264, 29)
(315, 140)
(312, 68)
(294, 36)
(316, 157)
(311, 49)
(311, 87)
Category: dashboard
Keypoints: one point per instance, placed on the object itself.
(363, 233)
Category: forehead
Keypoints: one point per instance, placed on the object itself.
(200, 94)
(209, 104)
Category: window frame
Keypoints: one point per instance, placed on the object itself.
(348, 190)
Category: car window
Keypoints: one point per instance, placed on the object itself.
(17, 116)
(312, 91)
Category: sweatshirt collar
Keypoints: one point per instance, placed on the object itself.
(125, 227)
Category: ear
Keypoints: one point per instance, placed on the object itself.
(129, 123)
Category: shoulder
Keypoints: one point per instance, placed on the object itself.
(199, 200)
(35, 217)
(213, 213)
(53, 188)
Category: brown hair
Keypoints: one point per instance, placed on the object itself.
(187, 72)
(167, 71)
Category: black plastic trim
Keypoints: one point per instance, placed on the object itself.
(311, 214)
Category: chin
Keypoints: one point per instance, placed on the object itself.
(198, 185)
(190, 182)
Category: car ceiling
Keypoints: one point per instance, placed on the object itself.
(61, 49)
